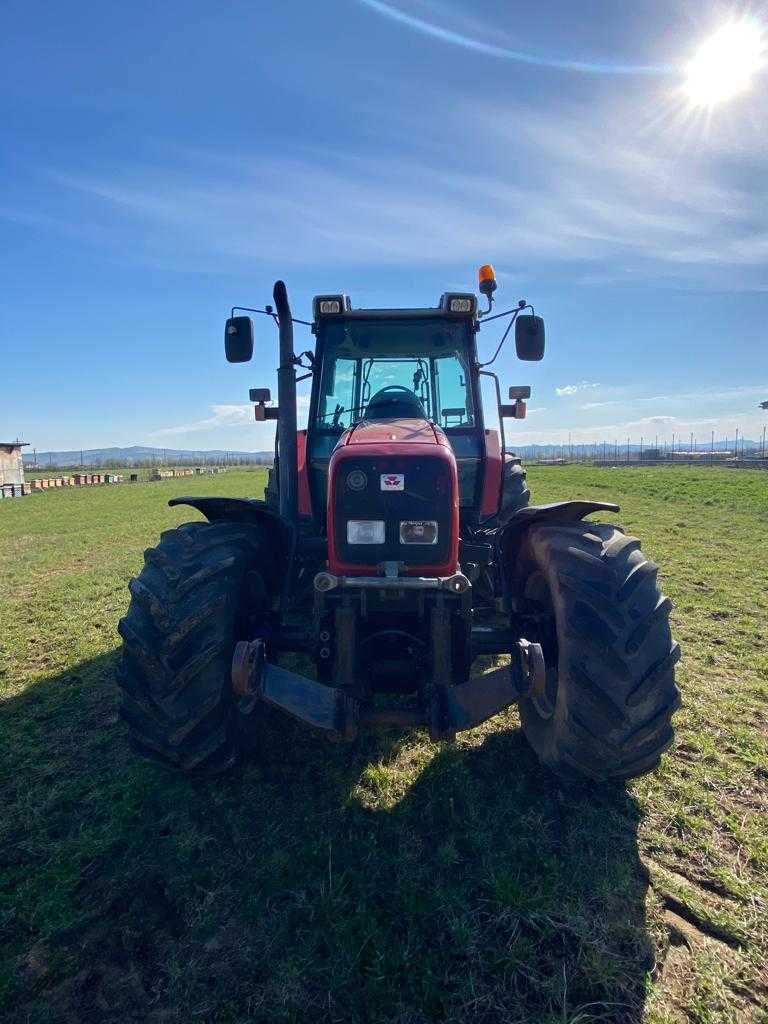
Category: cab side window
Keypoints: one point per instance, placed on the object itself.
(455, 396)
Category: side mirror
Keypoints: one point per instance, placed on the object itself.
(529, 338)
(261, 396)
(238, 339)
(516, 411)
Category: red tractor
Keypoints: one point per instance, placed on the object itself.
(396, 545)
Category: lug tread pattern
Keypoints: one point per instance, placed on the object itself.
(177, 636)
(515, 493)
(616, 657)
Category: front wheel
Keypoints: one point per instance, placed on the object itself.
(196, 595)
(590, 597)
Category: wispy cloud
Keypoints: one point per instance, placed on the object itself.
(648, 428)
(226, 416)
(448, 34)
(602, 188)
(702, 396)
(222, 416)
(573, 389)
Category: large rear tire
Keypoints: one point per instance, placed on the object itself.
(514, 492)
(591, 598)
(189, 605)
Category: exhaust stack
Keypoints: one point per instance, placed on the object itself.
(286, 401)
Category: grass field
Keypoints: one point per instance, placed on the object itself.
(391, 880)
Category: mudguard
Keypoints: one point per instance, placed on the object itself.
(540, 515)
(243, 510)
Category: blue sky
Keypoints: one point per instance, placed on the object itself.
(160, 163)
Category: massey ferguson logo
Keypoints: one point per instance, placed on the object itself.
(393, 481)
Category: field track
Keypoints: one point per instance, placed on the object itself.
(390, 881)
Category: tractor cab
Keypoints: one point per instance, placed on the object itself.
(386, 365)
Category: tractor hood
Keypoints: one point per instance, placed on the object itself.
(393, 431)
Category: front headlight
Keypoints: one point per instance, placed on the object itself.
(365, 531)
(421, 531)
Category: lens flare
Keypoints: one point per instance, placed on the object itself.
(725, 64)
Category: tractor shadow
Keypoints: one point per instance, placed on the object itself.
(387, 880)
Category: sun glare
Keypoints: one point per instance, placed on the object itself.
(725, 64)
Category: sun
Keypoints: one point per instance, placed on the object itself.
(725, 64)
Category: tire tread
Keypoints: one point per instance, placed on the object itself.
(617, 693)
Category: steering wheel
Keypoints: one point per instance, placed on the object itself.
(392, 401)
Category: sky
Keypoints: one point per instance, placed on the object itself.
(160, 163)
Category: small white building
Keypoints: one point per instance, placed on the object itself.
(11, 462)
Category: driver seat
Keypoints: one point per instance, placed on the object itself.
(395, 402)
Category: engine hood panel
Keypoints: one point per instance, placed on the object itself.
(405, 431)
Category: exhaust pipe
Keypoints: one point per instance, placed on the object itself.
(286, 401)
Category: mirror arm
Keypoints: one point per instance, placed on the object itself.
(269, 312)
(522, 304)
(503, 339)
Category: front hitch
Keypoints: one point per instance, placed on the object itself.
(324, 707)
(474, 702)
(333, 710)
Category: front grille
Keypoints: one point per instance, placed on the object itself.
(426, 494)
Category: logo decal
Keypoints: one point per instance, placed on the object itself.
(393, 481)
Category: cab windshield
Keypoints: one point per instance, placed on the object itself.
(378, 369)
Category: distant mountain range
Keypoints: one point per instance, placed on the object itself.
(597, 448)
(138, 455)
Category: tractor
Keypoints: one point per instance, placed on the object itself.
(394, 547)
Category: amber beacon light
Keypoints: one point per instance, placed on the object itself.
(487, 279)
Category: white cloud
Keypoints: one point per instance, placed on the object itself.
(229, 416)
(708, 394)
(222, 416)
(609, 186)
(648, 428)
(573, 389)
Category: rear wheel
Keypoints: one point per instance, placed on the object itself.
(271, 492)
(514, 492)
(591, 598)
(198, 593)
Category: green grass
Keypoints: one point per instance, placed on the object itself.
(392, 880)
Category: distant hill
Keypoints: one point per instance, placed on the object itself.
(137, 455)
(140, 455)
(597, 448)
